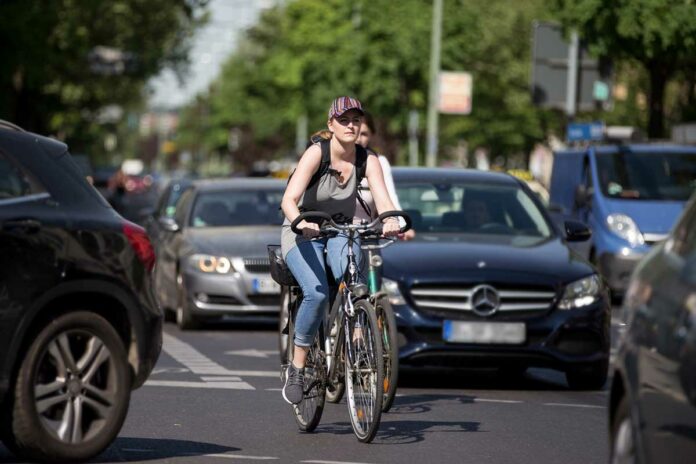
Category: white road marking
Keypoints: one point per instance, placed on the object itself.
(485, 400)
(221, 379)
(274, 389)
(182, 384)
(201, 365)
(254, 353)
(241, 456)
(570, 405)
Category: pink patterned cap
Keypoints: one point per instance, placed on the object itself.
(343, 104)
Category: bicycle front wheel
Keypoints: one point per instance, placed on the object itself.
(387, 325)
(364, 371)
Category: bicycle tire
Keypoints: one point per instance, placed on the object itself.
(283, 321)
(308, 412)
(364, 357)
(387, 321)
(338, 383)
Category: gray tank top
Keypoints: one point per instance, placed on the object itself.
(338, 200)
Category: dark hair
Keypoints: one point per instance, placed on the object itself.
(370, 123)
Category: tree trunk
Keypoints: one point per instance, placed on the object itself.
(658, 80)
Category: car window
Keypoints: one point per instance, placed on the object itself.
(647, 176)
(473, 208)
(169, 205)
(183, 206)
(16, 182)
(237, 208)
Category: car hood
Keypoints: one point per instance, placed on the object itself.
(250, 241)
(456, 258)
(653, 217)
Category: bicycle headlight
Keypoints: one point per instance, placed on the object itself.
(581, 293)
(392, 289)
(626, 228)
(211, 264)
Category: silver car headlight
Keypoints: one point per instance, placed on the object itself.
(626, 228)
(393, 292)
(211, 264)
(581, 293)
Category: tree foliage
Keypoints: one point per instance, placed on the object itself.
(658, 34)
(303, 53)
(46, 82)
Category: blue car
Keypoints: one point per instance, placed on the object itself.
(629, 195)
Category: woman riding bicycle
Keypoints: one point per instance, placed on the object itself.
(333, 192)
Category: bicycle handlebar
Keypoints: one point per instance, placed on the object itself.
(329, 226)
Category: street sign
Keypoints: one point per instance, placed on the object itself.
(454, 96)
(550, 62)
(585, 131)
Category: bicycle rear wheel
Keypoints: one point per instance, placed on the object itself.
(335, 391)
(387, 324)
(364, 371)
(308, 412)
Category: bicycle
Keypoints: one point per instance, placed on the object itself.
(354, 347)
(386, 321)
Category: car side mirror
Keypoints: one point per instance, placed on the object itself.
(169, 224)
(583, 196)
(577, 231)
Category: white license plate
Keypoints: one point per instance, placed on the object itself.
(484, 332)
(265, 286)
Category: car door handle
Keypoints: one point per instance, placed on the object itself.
(21, 225)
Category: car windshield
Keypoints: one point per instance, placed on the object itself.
(446, 207)
(237, 208)
(647, 176)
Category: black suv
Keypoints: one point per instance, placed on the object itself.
(79, 324)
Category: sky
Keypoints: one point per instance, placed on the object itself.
(211, 46)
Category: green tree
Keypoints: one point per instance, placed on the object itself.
(302, 54)
(658, 34)
(48, 82)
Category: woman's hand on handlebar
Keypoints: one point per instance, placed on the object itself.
(309, 229)
(391, 227)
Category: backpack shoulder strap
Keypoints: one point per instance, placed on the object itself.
(361, 155)
(324, 164)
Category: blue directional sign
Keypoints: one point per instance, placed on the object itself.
(585, 131)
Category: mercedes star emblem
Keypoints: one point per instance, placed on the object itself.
(485, 300)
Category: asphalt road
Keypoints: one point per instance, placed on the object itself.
(214, 397)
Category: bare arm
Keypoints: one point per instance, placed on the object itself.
(308, 165)
(375, 179)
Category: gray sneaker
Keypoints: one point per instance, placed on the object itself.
(293, 390)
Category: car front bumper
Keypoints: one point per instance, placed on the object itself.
(559, 339)
(240, 294)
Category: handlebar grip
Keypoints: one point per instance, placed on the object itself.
(304, 216)
(407, 219)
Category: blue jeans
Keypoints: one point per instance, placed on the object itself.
(306, 261)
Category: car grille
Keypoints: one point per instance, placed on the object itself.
(257, 265)
(447, 300)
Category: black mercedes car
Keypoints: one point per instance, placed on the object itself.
(652, 411)
(489, 281)
(79, 323)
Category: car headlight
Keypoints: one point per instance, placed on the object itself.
(626, 228)
(211, 264)
(581, 293)
(393, 292)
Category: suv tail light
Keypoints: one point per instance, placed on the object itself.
(141, 244)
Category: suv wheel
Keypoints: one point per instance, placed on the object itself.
(72, 391)
(592, 377)
(184, 319)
